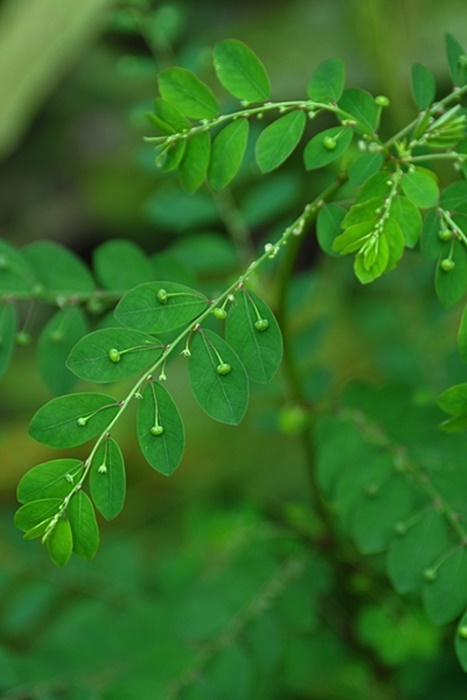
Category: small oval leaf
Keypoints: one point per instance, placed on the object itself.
(420, 187)
(57, 338)
(107, 479)
(57, 268)
(361, 106)
(121, 265)
(278, 140)
(423, 86)
(327, 82)
(84, 529)
(227, 153)
(187, 93)
(194, 163)
(445, 597)
(53, 479)
(60, 542)
(8, 321)
(240, 71)
(317, 155)
(33, 513)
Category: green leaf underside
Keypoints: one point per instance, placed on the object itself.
(445, 598)
(419, 186)
(278, 140)
(60, 542)
(53, 479)
(140, 309)
(409, 219)
(31, 514)
(121, 265)
(168, 118)
(362, 106)
(56, 423)
(194, 163)
(16, 274)
(410, 554)
(108, 486)
(423, 86)
(90, 359)
(227, 152)
(57, 338)
(187, 93)
(316, 155)
(82, 519)
(8, 324)
(451, 286)
(327, 82)
(57, 268)
(328, 226)
(364, 167)
(259, 351)
(163, 452)
(223, 397)
(240, 71)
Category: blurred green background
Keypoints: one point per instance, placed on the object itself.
(170, 607)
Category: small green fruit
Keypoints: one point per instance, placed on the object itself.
(223, 369)
(162, 296)
(462, 631)
(157, 430)
(430, 575)
(400, 528)
(221, 314)
(262, 324)
(23, 338)
(329, 143)
(445, 235)
(382, 101)
(447, 264)
(114, 355)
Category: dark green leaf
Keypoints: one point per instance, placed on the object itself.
(57, 338)
(445, 597)
(328, 226)
(33, 513)
(462, 337)
(121, 265)
(107, 480)
(451, 285)
(58, 423)
(316, 155)
(140, 308)
(227, 153)
(7, 333)
(224, 397)
(161, 435)
(454, 198)
(132, 352)
(423, 86)
(82, 519)
(58, 269)
(60, 542)
(454, 400)
(240, 71)
(16, 274)
(364, 167)
(54, 479)
(168, 118)
(194, 164)
(456, 60)
(259, 350)
(278, 140)
(420, 187)
(361, 106)
(409, 219)
(416, 550)
(327, 82)
(185, 91)
(431, 244)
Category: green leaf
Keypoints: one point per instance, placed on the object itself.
(16, 274)
(377, 186)
(364, 167)
(187, 93)
(409, 219)
(431, 245)
(161, 435)
(423, 86)
(33, 513)
(240, 71)
(456, 60)
(454, 424)
(57, 424)
(361, 106)
(168, 118)
(68, 274)
(194, 164)
(107, 480)
(328, 226)
(224, 397)
(53, 479)
(462, 336)
(396, 242)
(372, 261)
(327, 82)
(121, 265)
(170, 155)
(454, 400)
(227, 153)
(416, 550)
(316, 155)
(140, 308)
(57, 338)
(84, 529)
(368, 210)
(452, 285)
(8, 323)
(278, 140)
(60, 542)
(353, 238)
(445, 597)
(132, 352)
(454, 198)
(420, 187)
(259, 350)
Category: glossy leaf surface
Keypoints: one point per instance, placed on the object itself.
(82, 519)
(227, 153)
(240, 71)
(316, 155)
(60, 542)
(194, 163)
(54, 479)
(187, 93)
(278, 140)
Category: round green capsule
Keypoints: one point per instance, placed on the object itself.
(445, 235)
(382, 101)
(157, 430)
(223, 369)
(329, 143)
(462, 631)
(430, 575)
(114, 355)
(162, 296)
(262, 324)
(23, 338)
(221, 314)
(447, 264)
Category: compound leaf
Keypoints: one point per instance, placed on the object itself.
(68, 421)
(157, 307)
(445, 597)
(58, 269)
(187, 93)
(161, 435)
(420, 187)
(278, 140)
(84, 529)
(317, 153)
(53, 479)
(112, 354)
(259, 350)
(107, 479)
(121, 265)
(227, 153)
(8, 321)
(327, 82)
(223, 396)
(240, 71)
(60, 542)
(194, 163)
